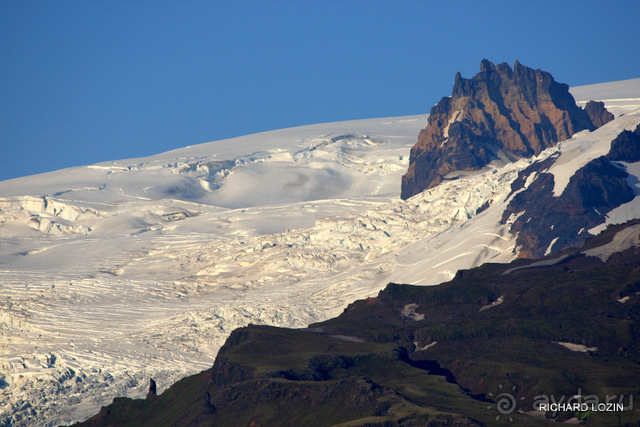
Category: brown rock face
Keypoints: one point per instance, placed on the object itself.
(598, 113)
(514, 112)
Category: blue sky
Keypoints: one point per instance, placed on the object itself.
(88, 81)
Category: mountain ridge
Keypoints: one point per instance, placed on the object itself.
(500, 111)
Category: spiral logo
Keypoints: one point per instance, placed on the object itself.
(506, 403)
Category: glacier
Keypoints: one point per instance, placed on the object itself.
(114, 273)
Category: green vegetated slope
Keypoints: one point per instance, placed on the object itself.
(482, 349)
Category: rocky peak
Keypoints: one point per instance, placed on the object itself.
(152, 394)
(598, 113)
(499, 112)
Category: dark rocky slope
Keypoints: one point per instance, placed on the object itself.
(499, 112)
(483, 349)
(626, 147)
(598, 113)
(549, 223)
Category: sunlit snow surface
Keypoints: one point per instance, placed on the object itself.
(117, 272)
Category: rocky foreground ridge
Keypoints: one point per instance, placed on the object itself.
(491, 347)
(499, 113)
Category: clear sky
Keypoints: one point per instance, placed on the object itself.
(88, 81)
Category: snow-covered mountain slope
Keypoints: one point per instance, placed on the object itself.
(335, 160)
(120, 271)
(621, 96)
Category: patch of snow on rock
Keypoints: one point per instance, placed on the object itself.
(409, 311)
(626, 238)
(576, 347)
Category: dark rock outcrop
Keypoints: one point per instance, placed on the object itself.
(152, 394)
(550, 223)
(499, 112)
(598, 113)
(626, 147)
(547, 223)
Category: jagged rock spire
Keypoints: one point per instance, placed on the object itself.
(152, 389)
(500, 110)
